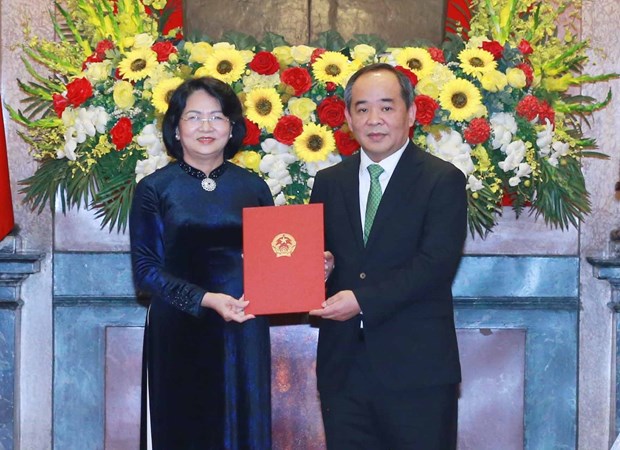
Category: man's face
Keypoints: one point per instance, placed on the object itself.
(379, 117)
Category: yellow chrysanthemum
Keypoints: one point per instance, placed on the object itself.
(264, 108)
(461, 99)
(138, 64)
(163, 92)
(417, 59)
(225, 64)
(332, 67)
(315, 143)
(477, 62)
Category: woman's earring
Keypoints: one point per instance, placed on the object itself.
(176, 135)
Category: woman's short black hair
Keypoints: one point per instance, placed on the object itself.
(229, 102)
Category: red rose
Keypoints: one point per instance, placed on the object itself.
(528, 107)
(412, 76)
(287, 129)
(252, 133)
(494, 48)
(163, 49)
(103, 47)
(78, 91)
(331, 111)
(121, 133)
(345, 143)
(298, 78)
(437, 54)
(425, 109)
(478, 131)
(528, 71)
(60, 103)
(265, 63)
(525, 47)
(316, 54)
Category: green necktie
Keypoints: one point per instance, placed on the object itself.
(374, 198)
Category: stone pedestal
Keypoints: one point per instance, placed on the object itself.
(15, 267)
(609, 269)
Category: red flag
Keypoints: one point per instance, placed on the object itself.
(459, 11)
(6, 204)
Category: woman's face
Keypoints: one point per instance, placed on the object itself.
(203, 130)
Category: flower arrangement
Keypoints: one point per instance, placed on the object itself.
(496, 101)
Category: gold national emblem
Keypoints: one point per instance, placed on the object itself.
(283, 244)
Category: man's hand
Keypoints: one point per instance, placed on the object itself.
(341, 306)
(329, 264)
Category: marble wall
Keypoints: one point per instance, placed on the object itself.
(77, 233)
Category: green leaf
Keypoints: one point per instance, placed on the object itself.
(329, 40)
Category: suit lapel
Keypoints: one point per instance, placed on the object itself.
(350, 189)
(401, 182)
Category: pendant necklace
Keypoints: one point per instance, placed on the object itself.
(208, 182)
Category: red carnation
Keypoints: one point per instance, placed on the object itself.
(478, 131)
(545, 112)
(316, 54)
(298, 78)
(287, 129)
(412, 76)
(525, 48)
(528, 107)
(437, 54)
(163, 49)
(528, 71)
(103, 47)
(252, 133)
(265, 63)
(331, 111)
(425, 109)
(78, 91)
(345, 143)
(494, 48)
(122, 133)
(60, 103)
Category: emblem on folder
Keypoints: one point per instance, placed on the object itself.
(283, 244)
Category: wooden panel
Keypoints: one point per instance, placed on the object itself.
(300, 21)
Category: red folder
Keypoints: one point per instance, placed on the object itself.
(283, 262)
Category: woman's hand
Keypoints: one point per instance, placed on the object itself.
(329, 264)
(226, 306)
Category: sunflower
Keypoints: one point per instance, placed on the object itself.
(477, 62)
(332, 67)
(461, 99)
(226, 64)
(138, 64)
(315, 143)
(162, 93)
(417, 59)
(263, 107)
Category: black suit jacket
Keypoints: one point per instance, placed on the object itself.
(402, 279)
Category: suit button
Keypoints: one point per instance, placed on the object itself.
(362, 275)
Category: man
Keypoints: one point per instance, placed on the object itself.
(387, 365)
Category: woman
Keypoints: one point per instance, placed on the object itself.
(207, 365)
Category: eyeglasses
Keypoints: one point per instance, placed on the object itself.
(215, 120)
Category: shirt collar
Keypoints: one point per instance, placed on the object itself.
(388, 164)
